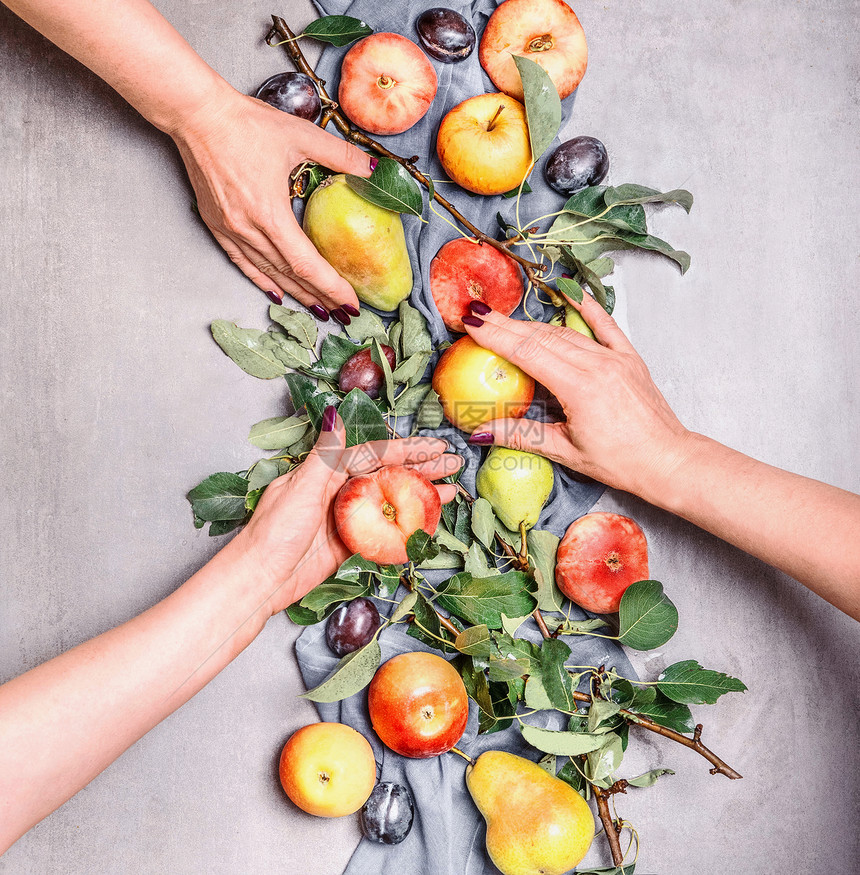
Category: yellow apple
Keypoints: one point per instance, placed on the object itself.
(483, 144)
(475, 385)
(328, 769)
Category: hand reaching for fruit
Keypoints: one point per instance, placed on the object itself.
(618, 429)
(239, 157)
(292, 537)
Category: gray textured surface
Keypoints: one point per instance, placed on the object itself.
(115, 401)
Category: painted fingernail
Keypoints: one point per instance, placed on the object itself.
(329, 415)
(373, 163)
(566, 276)
(353, 311)
(274, 297)
(482, 438)
(340, 316)
(320, 312)
(474, 321)
(480, 308)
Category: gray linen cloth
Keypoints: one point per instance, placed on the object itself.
(448, 834)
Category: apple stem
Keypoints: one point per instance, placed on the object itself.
(465, 756)
(332, 113)
(492, 122)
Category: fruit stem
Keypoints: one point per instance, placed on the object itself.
(332, 113)
(492, 122)
(465, 756)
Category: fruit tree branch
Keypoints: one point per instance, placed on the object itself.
(332, 113)
(609, 827)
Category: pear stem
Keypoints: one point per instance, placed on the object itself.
(465, 756)
(332, 113)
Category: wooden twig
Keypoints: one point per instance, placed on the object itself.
(609, 827)
(332, 113)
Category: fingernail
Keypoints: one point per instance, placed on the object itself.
(474, 321)
(373, 163)
(340, 316)
(274, 297)
(566, 276)
(480, 308)
(320, 312)
(329, 415)
(482, 438)
(353, 311)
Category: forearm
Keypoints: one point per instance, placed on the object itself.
(130, 45)
(63, 722)
(805, 528)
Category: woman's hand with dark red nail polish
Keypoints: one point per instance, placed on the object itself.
(474, 321)
(480, 308)
(340, 315)
(353, 311)
(319, 311)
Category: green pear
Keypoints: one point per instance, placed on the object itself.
(364, 243)
(516, 484)
(573, 320)
(536, 823)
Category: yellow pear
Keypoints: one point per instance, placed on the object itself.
(573, 320)
(536, 823)
(364, 243)
(516, 484)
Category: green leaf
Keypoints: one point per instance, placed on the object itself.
(420, 547)
(648, 778)
(602, 266)
(427, 627)
(377, 356)
(602, 716)
(361, 418)
(407, 603)
(483, 522)
(657, 708)
(475, 641)
(574, 627)
(334, 352)
(278, 432)
(445, 539)
(639, 194)
(688, 683)
(647, 618)
(353, 673)
(302, 616)
(571, 775)
(601, 292)
(367, 326)
(247, 348)
(412, 368)
(589, 203)
(507, 669)
(554, 676)
(511, 624)
(339, 30)
(352, 569)
(415, 337)
(543, 105)
(526, 189)
(262, 474)
(222, 527)
(512, 538)
(548, 763)
(301, 389)
(289, 352)
(476, 562)
(536, 695)
(430, 413)
(542, 547)
(300, 326)
(628, 869)
(568, 744)
(390, 186)
(483, 600)
(409, 400)
(444, 559)
(601, 764)
(332, 592)
(571, 288)
(219, 497)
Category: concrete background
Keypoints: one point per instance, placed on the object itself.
(116, 402)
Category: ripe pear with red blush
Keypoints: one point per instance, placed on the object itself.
(600, 555)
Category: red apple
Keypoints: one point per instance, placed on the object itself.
(360, 371)
(327, 769)
(483, 144)
(600, 555)
(376, 513)
(386, 84)
(464, 271)
(545, 31)
(418, 705)
(475, 385)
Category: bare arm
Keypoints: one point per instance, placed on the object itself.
(66, 720)
(238, 151)
(621, 431)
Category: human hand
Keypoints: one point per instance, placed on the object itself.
(291, 539)
(618, 427)
(239, 155)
